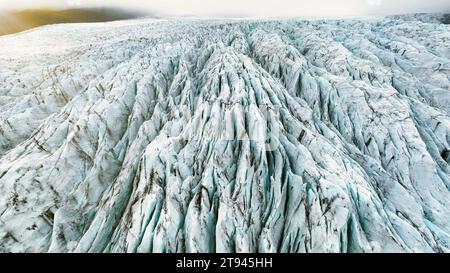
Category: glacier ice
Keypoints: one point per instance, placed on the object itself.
(226, 136)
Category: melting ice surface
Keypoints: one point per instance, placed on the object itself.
(226, 136)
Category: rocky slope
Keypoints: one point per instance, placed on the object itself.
(226, 136)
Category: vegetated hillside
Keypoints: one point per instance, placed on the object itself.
(16, 21)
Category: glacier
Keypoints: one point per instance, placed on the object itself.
(227, 135)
